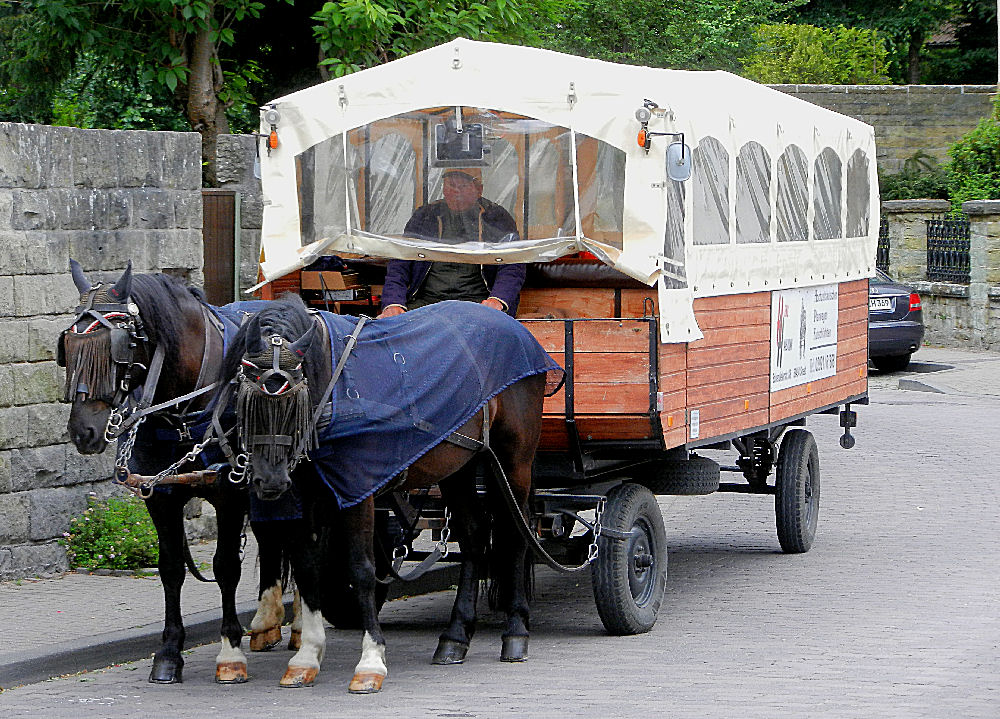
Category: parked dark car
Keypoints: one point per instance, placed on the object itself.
(895, 323)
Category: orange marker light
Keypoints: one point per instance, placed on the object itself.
(272, 140)
(643, 139)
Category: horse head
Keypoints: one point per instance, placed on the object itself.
(274, 406)
(99, 351)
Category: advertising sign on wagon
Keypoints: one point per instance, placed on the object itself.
(803, 335)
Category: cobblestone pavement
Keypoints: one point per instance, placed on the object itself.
(892, 614)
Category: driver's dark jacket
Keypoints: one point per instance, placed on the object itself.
(404, 278)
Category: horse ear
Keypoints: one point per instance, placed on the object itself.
(300, 345)
(255, 344)
(81, 282)
(122, 287)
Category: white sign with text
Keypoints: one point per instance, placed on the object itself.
(803, 335)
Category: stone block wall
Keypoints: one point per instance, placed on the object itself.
(906, 118)
(101, 197)
(954, 314)
(236, 154)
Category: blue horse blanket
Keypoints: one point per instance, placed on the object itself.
(409, 383)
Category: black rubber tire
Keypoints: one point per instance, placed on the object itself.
(796, 498)
(628, 597)
(692, 476)
(895, 363)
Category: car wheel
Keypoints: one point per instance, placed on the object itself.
(895, 363)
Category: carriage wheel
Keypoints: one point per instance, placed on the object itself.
(796, 499)
(629, 575)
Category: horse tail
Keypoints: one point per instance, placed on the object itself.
(498, 552)
(192, 566)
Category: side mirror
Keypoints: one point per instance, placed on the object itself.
(678, 161)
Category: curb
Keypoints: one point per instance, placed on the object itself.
(917, 385)
(129, 645)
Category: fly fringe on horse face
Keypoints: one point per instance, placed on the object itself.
(88, 363)
(262, 414)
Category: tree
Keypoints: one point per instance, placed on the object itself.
(356, 34)
(174, 44)
(701, 35)
(908, 23)
(810, 54)
(975, 162)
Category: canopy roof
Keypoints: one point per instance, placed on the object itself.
(783, 193)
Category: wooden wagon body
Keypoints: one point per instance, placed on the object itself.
(698, 266)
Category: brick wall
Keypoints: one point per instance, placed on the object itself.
(906, 118)
(101, 197)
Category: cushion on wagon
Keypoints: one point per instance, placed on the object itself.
(574, 272)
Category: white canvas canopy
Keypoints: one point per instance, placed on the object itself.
(782, 192)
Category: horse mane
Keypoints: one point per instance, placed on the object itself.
(163, 302)
(288, 317)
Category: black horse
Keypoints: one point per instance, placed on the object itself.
(152, 337)
(351, 419)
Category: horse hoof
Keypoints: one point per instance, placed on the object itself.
(295, 640)
(262, 640)
(514, 649)
(366, 683)
(299, 677)
(167, 671)
(449, 652)
(230, 673)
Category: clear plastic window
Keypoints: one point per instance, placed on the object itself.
(753, 194)
(827, 196)
(674, 275)
(793, 196)
(601, 170)
(710, 192)
(858, 195)
(393, 183)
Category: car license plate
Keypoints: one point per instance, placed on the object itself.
(880, 304)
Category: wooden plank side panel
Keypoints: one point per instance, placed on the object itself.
(733, 335)
(742, 389)
(818, 398)
(732, 424)
(602, 399)
(566, 302)
(729, 302)
(708, 356)
(599, 427)
(593, 335)
(728, 372)
(635, 304)
(608, 367)
(735, 317)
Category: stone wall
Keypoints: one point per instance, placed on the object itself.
(235, 171)
(954, 314)
(101, 197)
(906, 118)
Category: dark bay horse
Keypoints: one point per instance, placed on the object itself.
(125, 334)
(284, 360)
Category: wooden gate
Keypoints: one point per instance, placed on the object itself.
(219, 231)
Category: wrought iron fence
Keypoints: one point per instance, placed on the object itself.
(948, 248)
(882, 253)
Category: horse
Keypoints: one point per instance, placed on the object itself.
(124, 334)
(322, 401)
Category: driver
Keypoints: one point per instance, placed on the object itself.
(462, 216)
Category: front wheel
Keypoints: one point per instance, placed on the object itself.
(630, 575)
(796, 498)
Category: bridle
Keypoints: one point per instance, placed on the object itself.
(127, 333)
(273, 401)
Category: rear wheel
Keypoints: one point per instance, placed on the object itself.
(796, 498)
(630, 575)
(895, 363)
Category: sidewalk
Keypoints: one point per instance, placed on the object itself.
(78, 622)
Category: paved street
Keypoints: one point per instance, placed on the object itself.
(892, 614)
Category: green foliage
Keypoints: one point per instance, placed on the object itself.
(116, 533)
(356, 34)
(921, 178)
(707, 35)
(810, 54)
(975, 162)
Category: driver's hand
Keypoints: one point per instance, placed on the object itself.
(391, 312)
(493, 302)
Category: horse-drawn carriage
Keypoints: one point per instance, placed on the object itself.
(698, 249)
